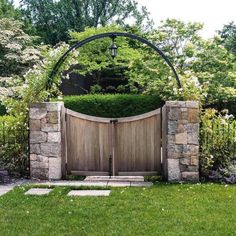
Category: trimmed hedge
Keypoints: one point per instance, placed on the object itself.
(113, 105)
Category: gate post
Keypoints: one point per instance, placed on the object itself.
(180, 124)
(45, 140)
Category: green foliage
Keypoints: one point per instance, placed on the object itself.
(115, 105)
(7, 10)
(17, 53)
(228, 33)
(2, 110)
(206, 69)
(218, 137)
(215, 69)
(94, 57)
(13, 144)
(35, 90)
(52, 19)
(153, 75)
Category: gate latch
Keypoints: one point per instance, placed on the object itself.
(113, 121)
(110, 166)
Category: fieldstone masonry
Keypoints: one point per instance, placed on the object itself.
(45, 140)
(180, 141)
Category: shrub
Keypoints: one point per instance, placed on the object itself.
(2, 110)
(218, 143)
(112, 105)
(13, 144)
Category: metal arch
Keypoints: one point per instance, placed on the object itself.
(111, 34)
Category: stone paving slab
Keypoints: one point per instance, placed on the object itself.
(141, 184)
(111, 183)
(38, 191)
(115, 178)
(94, 193)
(75, 183)
(5, 189)
(118, 184)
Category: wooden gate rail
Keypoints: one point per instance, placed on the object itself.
(108, 120)
(132, 143)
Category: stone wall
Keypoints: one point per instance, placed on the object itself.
(45, 140)
(180, 141)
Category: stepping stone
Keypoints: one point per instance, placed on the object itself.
(94, 183)
(118, 184)
(141, 184)
(38, 191)
(4, 190)
(76, 183)
(89, 193)
(115, 178)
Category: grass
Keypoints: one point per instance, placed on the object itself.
(164, 209)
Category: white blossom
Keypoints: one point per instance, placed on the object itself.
(227, 117)
(223, 122)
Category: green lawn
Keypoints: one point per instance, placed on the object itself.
(164, 209)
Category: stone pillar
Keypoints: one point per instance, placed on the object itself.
(45, 140)
(180, 141)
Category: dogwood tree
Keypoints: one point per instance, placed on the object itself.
(17, 55)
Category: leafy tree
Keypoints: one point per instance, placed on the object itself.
(53, 19)
(94, 58)
(228, 33)
(151, 73)
(206, 69)
(7, 10)
(215, 69)
(17, 55)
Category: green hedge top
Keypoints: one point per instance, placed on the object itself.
(113, 105)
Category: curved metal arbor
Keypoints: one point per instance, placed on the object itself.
(111, 34)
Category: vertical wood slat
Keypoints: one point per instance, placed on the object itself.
(64, 142)
(88, 145)
(164, 142)
(138, 146)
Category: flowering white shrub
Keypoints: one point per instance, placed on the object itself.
(17, 55)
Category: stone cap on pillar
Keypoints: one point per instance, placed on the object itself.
(190, 104)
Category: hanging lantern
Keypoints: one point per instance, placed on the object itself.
(113, 48)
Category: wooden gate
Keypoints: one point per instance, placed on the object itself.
(104, 146)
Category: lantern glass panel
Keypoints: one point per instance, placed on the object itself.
(113, 50)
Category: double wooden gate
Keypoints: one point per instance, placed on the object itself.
(103, 146)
